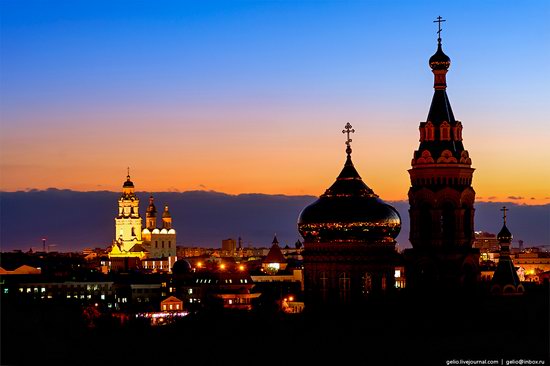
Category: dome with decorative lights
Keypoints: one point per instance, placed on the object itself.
(349, 211)
(439, 60)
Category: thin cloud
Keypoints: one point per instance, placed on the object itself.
(515, 197)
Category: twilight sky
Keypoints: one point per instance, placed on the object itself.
(251, 96)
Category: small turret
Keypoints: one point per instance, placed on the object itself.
(166, 218)
(151, 214)
(505, 280)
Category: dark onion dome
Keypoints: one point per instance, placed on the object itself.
(128, 183)
(349, 211)
(439, 60)
(181, 266)
(151, 209)
(504, 234)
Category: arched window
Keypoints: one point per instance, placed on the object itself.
(445, 131)
(448, 223)
(425, 223)
(344, 286)
(468, 229)
(323, 284)
(422, 133)
(367, 283)
(429, 131)
(458, 131)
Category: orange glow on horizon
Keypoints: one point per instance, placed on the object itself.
(242, 160)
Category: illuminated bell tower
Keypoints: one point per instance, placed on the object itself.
(128, 220)
(441, 196)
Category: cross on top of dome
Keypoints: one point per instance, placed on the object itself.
(348, 128)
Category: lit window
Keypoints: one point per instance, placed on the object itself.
(102, 297)
(5, 290)
(397, 273)
(170, 306)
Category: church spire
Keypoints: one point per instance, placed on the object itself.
(439, 62)
(349, 182)
(505, 279)
(151, 214)
(441, 168)
(504, 236)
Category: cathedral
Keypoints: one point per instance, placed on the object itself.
(133, 245)
(349, 240)
(349, 232)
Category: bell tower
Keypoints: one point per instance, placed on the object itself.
(441, 196)
(128, 220)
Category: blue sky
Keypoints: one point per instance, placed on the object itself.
(265, 82)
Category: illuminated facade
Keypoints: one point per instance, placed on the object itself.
(349, 241)
(441, 196)
(132, 244)
(128, 220)
(159, 241)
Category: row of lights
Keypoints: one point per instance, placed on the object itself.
(222, 266)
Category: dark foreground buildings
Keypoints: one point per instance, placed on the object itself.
(349, 232)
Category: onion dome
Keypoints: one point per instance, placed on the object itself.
(504, 234)
(151, 209)
(128, 183)
(349, 211)
(181, 266)
(166, 213)
(439, 60)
